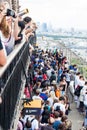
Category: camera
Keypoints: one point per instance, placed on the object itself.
(12, 13)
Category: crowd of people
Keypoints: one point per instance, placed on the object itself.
(54, 82)
(57, 84)
(13, 28)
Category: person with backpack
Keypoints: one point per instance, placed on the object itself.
(35, 123)
(20, 126)
(28, 124)
(21, 122)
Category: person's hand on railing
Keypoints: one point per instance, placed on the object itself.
(28, 30)
(28, 35)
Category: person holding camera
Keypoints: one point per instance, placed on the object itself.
(9, 28)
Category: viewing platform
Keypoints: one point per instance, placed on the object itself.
(43, 68)
(12, 82)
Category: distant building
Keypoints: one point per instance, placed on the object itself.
(72, 31)
(44, 27)
(49, 27)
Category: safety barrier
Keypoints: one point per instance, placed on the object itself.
(11, 76)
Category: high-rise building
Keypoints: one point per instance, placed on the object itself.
(44, 27)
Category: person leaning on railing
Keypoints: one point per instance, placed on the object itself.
(28, 30)
(9, 29)
(21, 25)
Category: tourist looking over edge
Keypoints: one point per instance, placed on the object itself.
(30, 30)
(8, 28)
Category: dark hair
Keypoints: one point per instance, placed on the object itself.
(78, 73)
(21, 24)
(27, 19)
(56, 114)
(62, 127)
(58, 108)
(85, 82)
(64, 118)
(60, 113)
(61, 98)
(52, 72)
(28, 123)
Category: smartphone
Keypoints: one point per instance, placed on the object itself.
(10, 13)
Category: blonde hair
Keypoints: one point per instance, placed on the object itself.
(4, 27)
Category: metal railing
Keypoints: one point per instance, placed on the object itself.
(10, 84)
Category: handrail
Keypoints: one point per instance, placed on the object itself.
(11, 77)
(11, 56)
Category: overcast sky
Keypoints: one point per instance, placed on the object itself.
(60, 13)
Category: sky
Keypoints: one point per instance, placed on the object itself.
(58, 13)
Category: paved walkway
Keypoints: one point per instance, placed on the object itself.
(76, 118)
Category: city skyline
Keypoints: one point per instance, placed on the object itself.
(58, 13)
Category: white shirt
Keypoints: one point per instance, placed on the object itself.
(85, 99)
(35, 124)
(82, 93)
(50, 99)
(7, 41)
(81, 82)
(76, 81)
(3, 44)
(37, 97)
(62, 106)
(49, 72)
